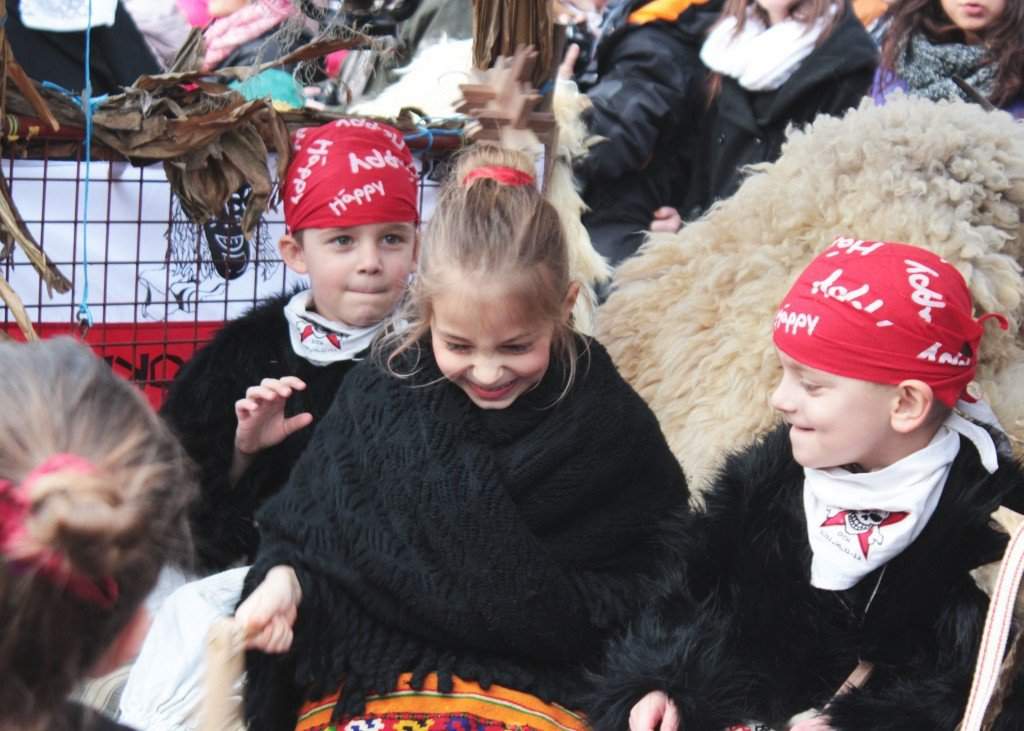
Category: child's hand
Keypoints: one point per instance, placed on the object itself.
(818, 723)
(654, 712)
(269, 613)
(667, 219)
(261, 420)
(565, 69)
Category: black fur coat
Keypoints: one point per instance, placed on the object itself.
(200, 408)
(740, 635)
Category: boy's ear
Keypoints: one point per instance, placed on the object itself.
(912, 407)
(292, 254)
(570, 300)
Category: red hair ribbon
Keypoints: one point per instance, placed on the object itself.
(15, 506)
(500, 173)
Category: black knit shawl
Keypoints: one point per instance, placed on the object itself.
(433, 536)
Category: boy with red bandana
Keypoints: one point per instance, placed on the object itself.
(244, 405)
(842, 541)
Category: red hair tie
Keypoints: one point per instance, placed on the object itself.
(15, 506)
(500, 173)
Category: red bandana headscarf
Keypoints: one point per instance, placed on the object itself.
(883, 312)
(349, 172)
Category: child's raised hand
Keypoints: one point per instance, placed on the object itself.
(654, 712)
(261, 419)
(817, 723)
(268, 614)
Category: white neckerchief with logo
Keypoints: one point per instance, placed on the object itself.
(857, 522)
(322, 341)
(761, 58)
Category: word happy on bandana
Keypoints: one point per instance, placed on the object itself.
(349, 172)
(883, 312)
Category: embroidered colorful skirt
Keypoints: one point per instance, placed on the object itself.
(467, 708)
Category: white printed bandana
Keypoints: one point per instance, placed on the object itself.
(857, 522)
(322, 341)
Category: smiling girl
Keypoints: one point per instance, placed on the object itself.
(931, 41)
(478, 511)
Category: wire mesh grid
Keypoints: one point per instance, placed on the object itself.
(159, 286)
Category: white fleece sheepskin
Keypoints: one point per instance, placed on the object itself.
(689, 320)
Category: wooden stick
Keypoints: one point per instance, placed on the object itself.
(991, 669)
(27, 88)
(14, 304)
(225, 663)
(13, 225)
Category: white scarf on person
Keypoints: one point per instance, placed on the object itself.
(857, 522)
(759, 57)
(322, 341)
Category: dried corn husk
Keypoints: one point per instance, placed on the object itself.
(211, 140)
(500, 27)
(14, 305)
(12, 226)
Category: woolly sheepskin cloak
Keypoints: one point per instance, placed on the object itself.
(689, 320)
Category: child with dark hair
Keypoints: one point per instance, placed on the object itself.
(243, 405)
(830, 567)
(929, 43)
(479, 509)
(93, 497)
(773, 64)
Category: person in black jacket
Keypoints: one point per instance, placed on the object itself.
(835, 552)
(242, 406)
(646, 102)
(775, 63)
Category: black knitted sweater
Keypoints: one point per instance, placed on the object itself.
(200, 408)
(430, 535)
